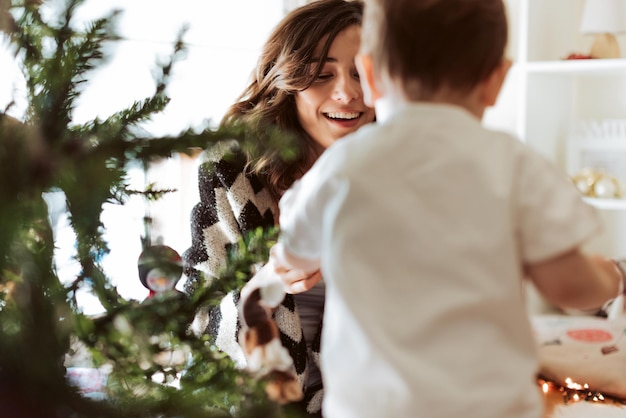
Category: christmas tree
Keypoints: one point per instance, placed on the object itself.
(155, 367)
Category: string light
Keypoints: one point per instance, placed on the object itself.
(576, 392)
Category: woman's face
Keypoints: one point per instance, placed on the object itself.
(333, 105)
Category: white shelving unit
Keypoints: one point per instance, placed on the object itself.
(607, 204)
(545, 94)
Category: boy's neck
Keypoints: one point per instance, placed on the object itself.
(468, 101)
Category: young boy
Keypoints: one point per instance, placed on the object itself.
(425, 224)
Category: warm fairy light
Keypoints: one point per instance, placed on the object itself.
(574, 392)
(572, 385)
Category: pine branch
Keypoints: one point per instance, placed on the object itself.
(89, 163)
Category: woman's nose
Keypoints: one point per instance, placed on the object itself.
(346, 89)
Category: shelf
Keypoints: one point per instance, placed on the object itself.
(547, 96)
(577, 67)
(610, 204)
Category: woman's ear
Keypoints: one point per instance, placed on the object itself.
(364, 65)
(493, 84)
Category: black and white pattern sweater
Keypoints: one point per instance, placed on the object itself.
(233, 203)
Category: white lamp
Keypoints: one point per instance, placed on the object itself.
(604, 18)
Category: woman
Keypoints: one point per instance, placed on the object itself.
(307, 85)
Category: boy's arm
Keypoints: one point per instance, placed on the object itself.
(575, 281)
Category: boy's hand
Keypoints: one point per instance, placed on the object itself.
(614, 308)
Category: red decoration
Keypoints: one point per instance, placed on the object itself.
(590, 335)
(575, 56)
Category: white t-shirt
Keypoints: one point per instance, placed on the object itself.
(423, 222)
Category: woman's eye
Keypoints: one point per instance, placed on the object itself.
(356, 75)
(324, 76)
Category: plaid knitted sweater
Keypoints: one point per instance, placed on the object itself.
(232, 203)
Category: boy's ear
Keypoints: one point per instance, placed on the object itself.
(368, 80)
(493, 84)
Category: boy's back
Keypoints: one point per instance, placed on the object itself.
(428, 218)
(425, 223)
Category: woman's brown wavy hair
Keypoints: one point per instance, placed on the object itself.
(288, 64)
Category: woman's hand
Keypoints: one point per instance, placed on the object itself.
(297, 281)
(297, 275)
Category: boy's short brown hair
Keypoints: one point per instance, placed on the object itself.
(428, 44)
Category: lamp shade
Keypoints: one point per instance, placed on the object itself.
(604, 16)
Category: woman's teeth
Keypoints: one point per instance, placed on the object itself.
(343, 115)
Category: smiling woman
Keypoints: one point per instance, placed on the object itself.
(306, 84)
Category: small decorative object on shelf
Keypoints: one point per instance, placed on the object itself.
(160, 268)
(603, 19)
(595, 183)
(577, 56)
(596, 155)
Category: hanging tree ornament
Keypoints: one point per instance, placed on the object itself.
(160, 268)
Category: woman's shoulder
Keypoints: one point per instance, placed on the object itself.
(227, 150)
(226, 164)
(224, 158)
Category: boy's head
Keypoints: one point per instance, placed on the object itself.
(424, 46)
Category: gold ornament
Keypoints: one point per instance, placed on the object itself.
(596, 183)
